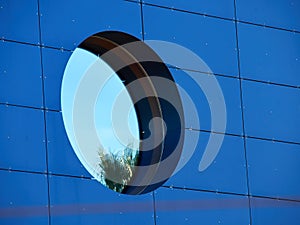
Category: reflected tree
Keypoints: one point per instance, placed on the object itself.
(117, 167)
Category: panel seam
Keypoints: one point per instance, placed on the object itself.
(44, 112)
(142, 20)
(217, 17)
(242, 111)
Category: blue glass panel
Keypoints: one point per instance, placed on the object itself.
(84, 201)
(20, 74)
(19, 20)
(62, 159)
(275, 212)
(23, 199)
(194, 207)
(66, 24)
(54, 63)
(226, 174)
(274, 169)
(279, 13)
(272, 111)
(269, 54)
(22, 139)
(209, 7)
(211, 39)
(231, 92)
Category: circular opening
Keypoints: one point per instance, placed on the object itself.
(116, 118)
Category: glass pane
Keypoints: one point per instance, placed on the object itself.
(110, 161)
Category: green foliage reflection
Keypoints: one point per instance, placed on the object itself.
(117, 167)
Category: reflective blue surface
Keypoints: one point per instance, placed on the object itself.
(231, 92)
(82, 201)
(279, 13)
(61, 157)
(54, 63)
(19, 20)
(22, 140)
(272, 111)
(20, 75)
(269, 54)
(23, 198)
(210, 7)
(277, 212)
(269, 172)
(193, 207)
(72, 23)
(211, 39)
(226, 174)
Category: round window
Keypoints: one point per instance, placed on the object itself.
(119, 121)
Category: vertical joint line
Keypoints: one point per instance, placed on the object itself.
(154, 207)
(142, 19)
(242, 108)
(44, 109)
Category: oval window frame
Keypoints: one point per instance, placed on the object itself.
(146, 109)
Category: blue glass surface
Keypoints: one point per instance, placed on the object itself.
(209, 7)
(194, 207)
(273, 169)
(61, 157)
(211, 39)
(231, 92)
(226, 174)
(19, 20)
(85, 201)
(23, 199)
(74, 22)
(22, 141)
(20, 74)
(269, 55)
(54, 63)
(276, 212)
(271, 111)
(279, 13)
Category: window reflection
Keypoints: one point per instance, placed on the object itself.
(115, 156)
